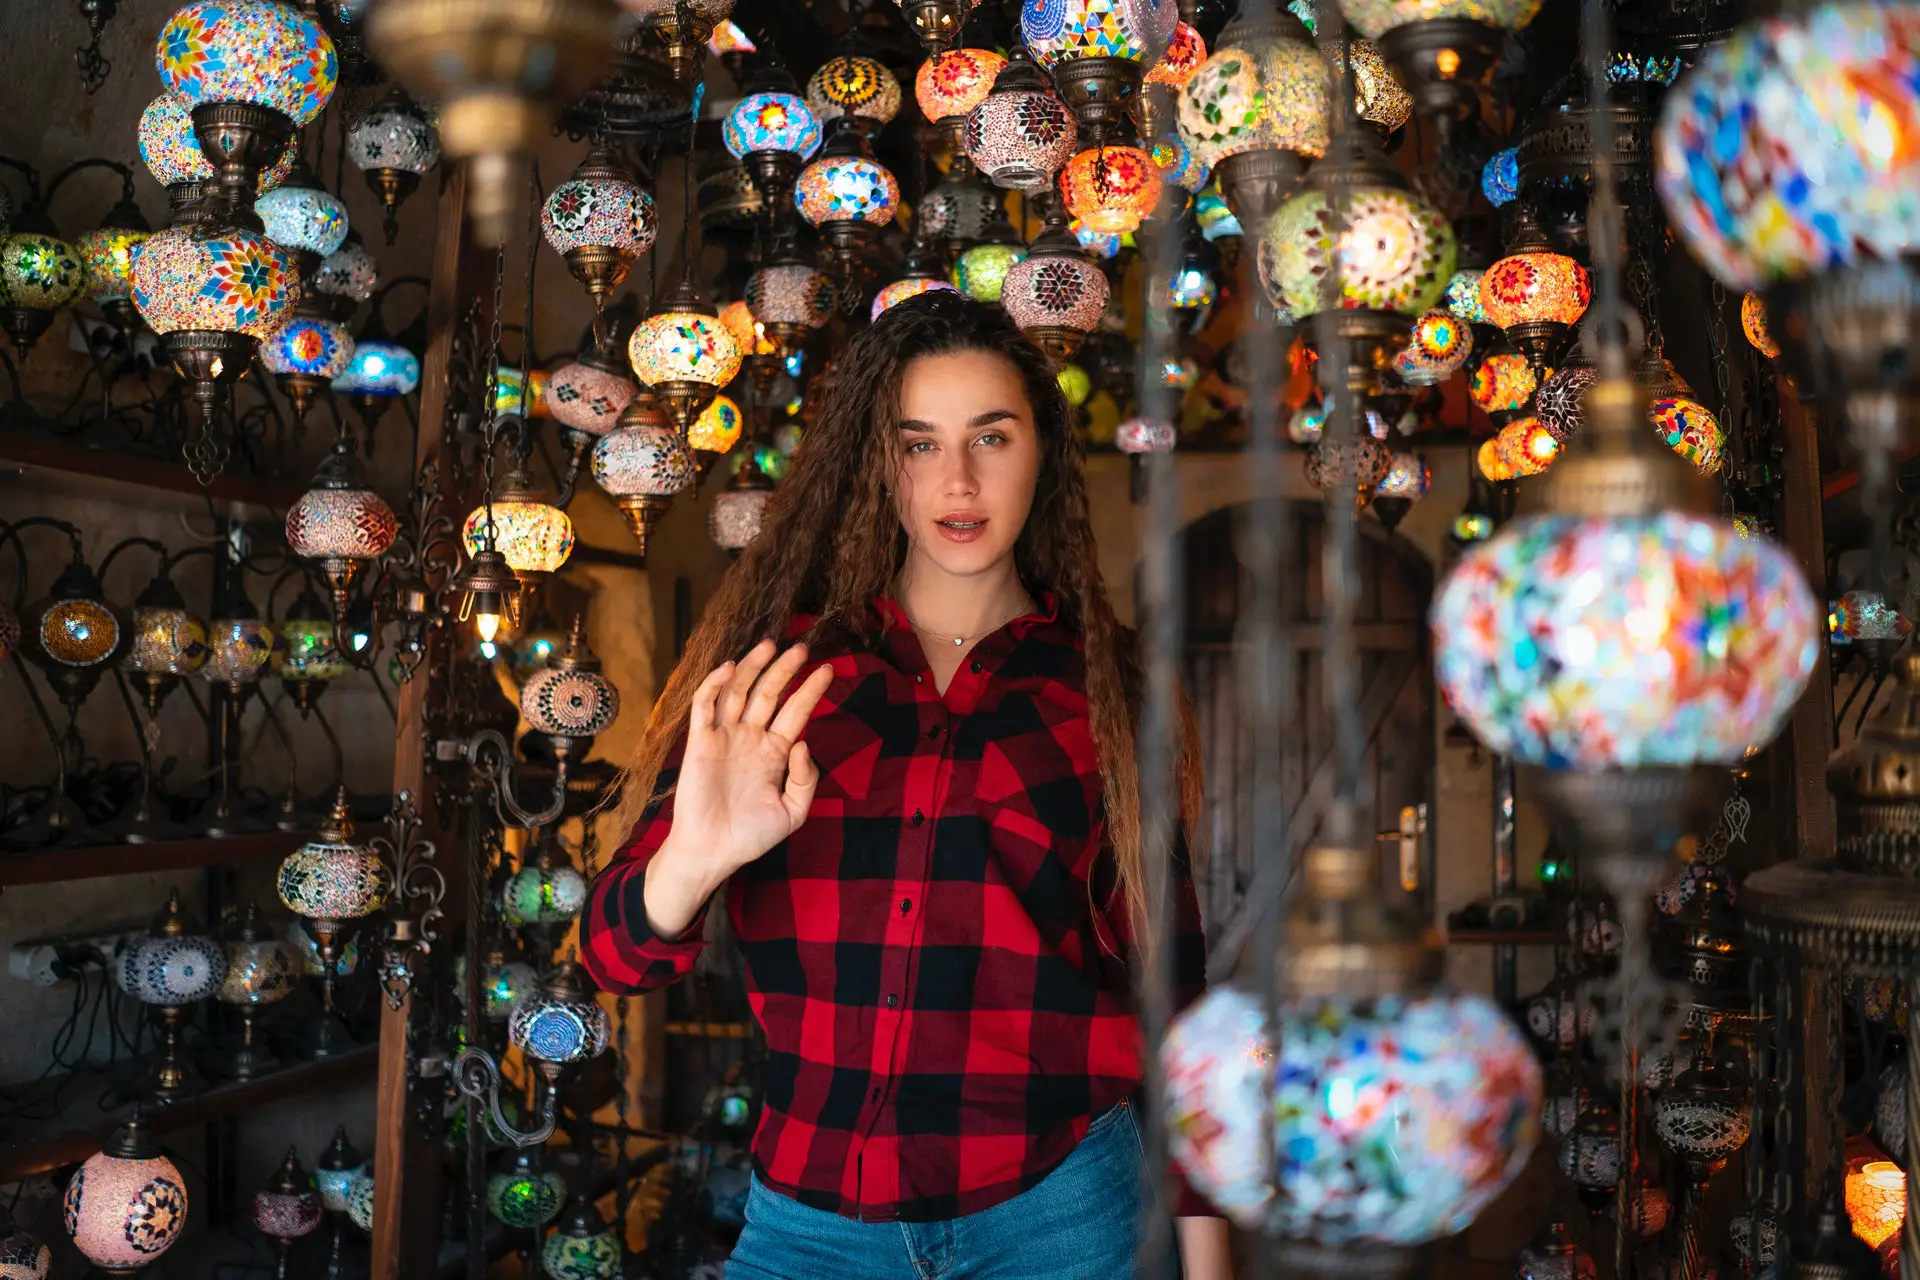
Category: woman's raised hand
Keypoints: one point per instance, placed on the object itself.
(746, 780)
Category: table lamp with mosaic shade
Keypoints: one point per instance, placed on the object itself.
(127, 1205)
(73, 635)
(41, 273)
(287, 1210)
(168, 642)
(331, 881)
(582, 1247)
(260, 971)
(173, 966)
(334, 1174)
(107, 254)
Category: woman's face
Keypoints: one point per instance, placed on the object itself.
(970, 458)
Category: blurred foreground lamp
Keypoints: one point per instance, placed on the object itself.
(772, 132)
(340, 522)
(1360, 464)
(1877, 1200)
(791, 299)
(1405, 483)
(1619, 642)
(1436, 349)
(1111, 189)
(394, 145)
(641, 464)
(849, 196)
(1256, 112)
(1020, 134)
(495, 67)
(1055, 294)
(684, 353)
(172, 966)
(1372, 1055)
(1445, 49)
(599, 220)
(740, 509)
(128, 1203)
(1535, 294)
(1097, 52)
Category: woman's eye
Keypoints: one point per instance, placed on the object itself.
(991, 437)
(920, 446)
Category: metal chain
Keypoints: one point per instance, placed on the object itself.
(524, 445)
(1723, 385)
(489, 410)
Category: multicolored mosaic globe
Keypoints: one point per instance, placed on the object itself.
(167, 641)
(535, 537)
(1436, 350)
(846, 189)
(683, 346)
(1178, 164)
(900, 290)
(379, 368)
(1111, 189)
(956, 210)
(953, 83)
(770, 122)
(717, 428)
(172, 153)
(1055, 292)
(793, 293)
(253, 51)
(1500, 177)
(1462, 296)
(853, 84)
(1690, 430)
(1062, 30)
(1793, 147)
(1270, 95)
(981, 271)
(1375, 18)
(1867, 615)
(1396, 253)
(124, 1213)
(1407, 477)
(1561, 400)
(1524, 288)
(1186, 51)
(588, 398)
(1527, 447)
(1753, 323)
(1020, 138)
(312, 346)
(223, 278)
(1590, 643)
(106, 253)
(648, 461)
(610, 212)
(303, 217)
(1394, 1122)
(39, 271)
(340, 524)
(1503, 382)
(348, 272)
(334, 880)
(394, 135)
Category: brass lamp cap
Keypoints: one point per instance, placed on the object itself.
(1344, 940)
(1619, 472)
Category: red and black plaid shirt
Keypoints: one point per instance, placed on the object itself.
(945, 1007)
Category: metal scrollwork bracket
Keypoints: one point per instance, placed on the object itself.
(477, 1076)
(415, 880)
(491, 758)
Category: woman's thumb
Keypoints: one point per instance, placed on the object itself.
(802, 777)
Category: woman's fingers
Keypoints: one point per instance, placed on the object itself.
(802, 777)
(733, 698)
(700, 715)
(798, 709)
(766, 690)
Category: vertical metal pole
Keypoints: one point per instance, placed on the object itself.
(1506, 878)
(1910, 1231)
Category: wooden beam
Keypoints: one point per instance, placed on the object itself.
(406, 1203)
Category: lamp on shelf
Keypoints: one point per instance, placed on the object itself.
(260, 971)
(334, 1174)
(582, 1247)
(172, 967)
(41, 274)
(126, 1206)
(330, 881)
(287, 1209)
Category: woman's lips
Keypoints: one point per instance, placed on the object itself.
(968, 530)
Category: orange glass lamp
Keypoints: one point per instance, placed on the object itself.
(1535, 294)
(1528, 446)
(1877, 1201)
(1111, 189)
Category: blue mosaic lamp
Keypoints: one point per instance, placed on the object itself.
(773, 132)
(174, 966)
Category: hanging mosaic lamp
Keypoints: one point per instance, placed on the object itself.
(791, 299)
(1056, 294)
(1098, 51)
(1683, 424)
(562, 1023)
(1020, 135)
(1528, 446)
(948, 86)
(773, 132)
(1692, 642)
(347, 277)
(395, 145)
(854, 84)
(532, 534)
(684, 353)
(332, 879)
(1437, 348)
(106, 253)
(307, 353)
(740, 509)
(1561, 399)
(172, 154)
(586, 398)
(923, 272)
(849, 196)
(1186, 53)
(1177, 164)
(1359, 464)
(1406, 482)
(641, 464)
(525, 1194)
(340, 523)
(581, 1247)
(41, 274)
(1502, 383)
(713, 434)
(937, 22)
(748, 333)
(1444, 49)
(958, 209)
(173, 965)
(73, 634)
(303, 217)
(127, 1205)
(22, 1254)
(1378, 96)
(1111, 189)
(168, 641)
(544, 892)
(981, 270)
(495, 71)
(568, 700)
(677, 30)
(1535, 294)
(1144, 435)
(1372, 1055)
(599, 220)
(1753, 323)
(378, 372)
(252, 72)
(307, 655)
(1257, 110)
(288, 1208)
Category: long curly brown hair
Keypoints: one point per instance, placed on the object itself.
(831, 543)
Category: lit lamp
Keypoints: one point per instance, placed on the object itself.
(1020, 134)
(307, 353)
(937, 22)
(340, 523)
(1055, 294)
(981, 270)
(599, 220)
(581, 1247)
(525, 1195)
(684, 353)
(923, 272)
(40, 274)
(1535, 294)
(713, 433)
(679, 29)
(1406, 482)
(106, 253)
(494, 66)
(534, 536)
(855, 85)
(790, 298)
(641, 464)
(1877, 1200)
(260, 971)
(304, 217)
(1502, 384)
(307, 656)
(1111, 189)
(586, 398)
(1186, 52)
(22, 1252)
(1527, 445)
(73, 634)
(331, 880)
(1097, 52)
(544, 893)
(1753, 323)
(252, 72)
(127, 1204)
(555, 1025)
(334, 1174)
(394, 145)
(849, 196)
(1256, 112)
(1445, 48)
(773, 132)
(740, 509)
(1378, 97)
(1683, 424)
(948, 86)
(1437, 348)
(168, 641)
(173, 966)
(379, 372)
(286, 1210)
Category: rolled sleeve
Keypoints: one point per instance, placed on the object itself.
(619, 949)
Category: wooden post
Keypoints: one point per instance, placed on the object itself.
(406, 1161)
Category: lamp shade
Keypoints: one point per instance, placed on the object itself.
(260, 969)
(288, 1208)
(1186, 51)
(981, 271)
(340, 518)
(1500, 177)
(40, 271)
(1774, 160)
(738, 514)
(1877, 1200)
(170, 969)
(599, 206)
(127, 1204)
(853, 84)
(106, 256)
(1689, 429)
(581, 1247)
(677, 345)
(23, 1256)
(1214, 216)
(1462, 296)
(311, 346)
(1535, 287)
(167, 640)
(1378, 96)
(1436, 350)
(301, 214)
(334, 877)
(254, 51)
(1020, 134)
(1111, 189)
(1586, 643)
(394, 135)
(588, 396)
(957, 210)
(525, 1195)
(1374, 18)
(348, 272)
(642, 461)
(953, 83)
(534, 535)
(1396, 252)
(1527, 446)
(771, 121)
(1062, 30)
(1561, 400)
(220, 278)
(846, 189)
(717, 428)
(1503, 382)
(791, 294)
(379, 368)
(543, 895)
(1407, 477)
(900, 290)
(1269, 92)
(569, 698)
(561, 1022)
(239, 645)
(1055, 291)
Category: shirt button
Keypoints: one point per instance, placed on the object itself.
(974, 667)
(893, 1002)
(906, 905)
(918, 679)
(918, 817)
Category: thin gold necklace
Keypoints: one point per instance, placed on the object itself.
(960, 640)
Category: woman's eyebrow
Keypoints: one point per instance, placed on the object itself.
(979, 420)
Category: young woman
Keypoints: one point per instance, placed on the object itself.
(924, 810)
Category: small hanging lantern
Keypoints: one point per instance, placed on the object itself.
(107, 255)
(1535, 294)
(340, 522)
(773, 132)
(569, 701)
(680, 29)
(534, 535)
(599, 220)
(790, 298)
(849, 196)
(586, 398)
(1056, 294)
(331, 879)
(394, 145)
(740, 509)
(1021, 134)
(684, 353)
(641, 464)
(1111, 190)
(348, 276)
(948, 86)
(981, 271)
(307, 353)
(923, 272)
(303, 217)
(855, 85)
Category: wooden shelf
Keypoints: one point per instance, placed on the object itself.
(44, 866)
(79, 1129)
(1503, 938)
(128, 465)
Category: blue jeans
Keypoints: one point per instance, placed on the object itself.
(1079, 1223)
